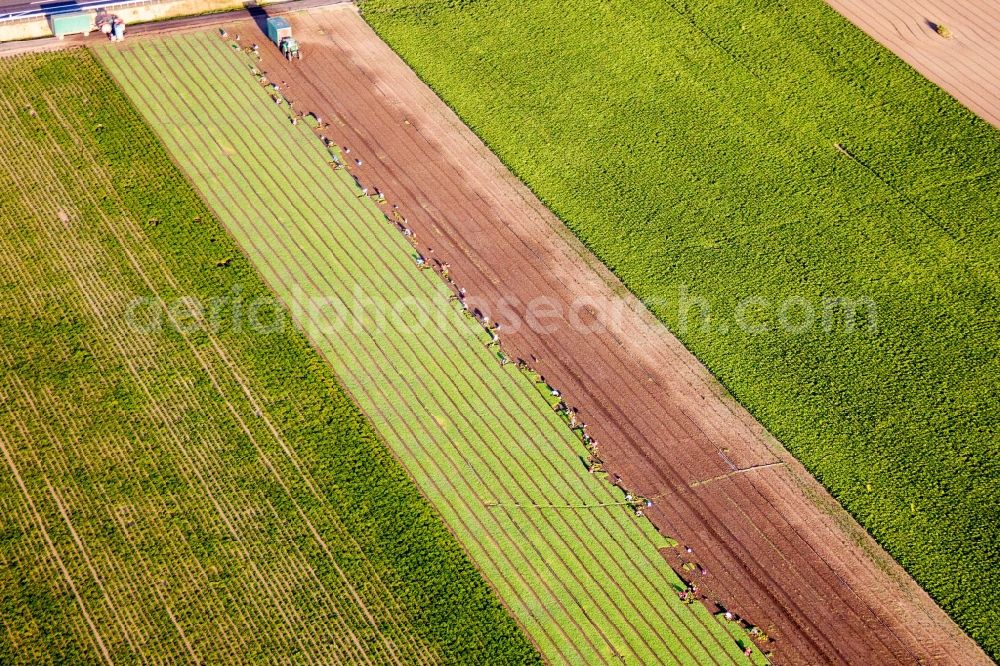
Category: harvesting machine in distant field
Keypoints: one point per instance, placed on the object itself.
(72, 23)
(280, 32)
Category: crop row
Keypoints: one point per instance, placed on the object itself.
(481, 443)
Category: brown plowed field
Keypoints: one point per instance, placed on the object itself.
(776, 548)
(966, 64)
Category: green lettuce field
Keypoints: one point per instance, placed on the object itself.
(741, 166)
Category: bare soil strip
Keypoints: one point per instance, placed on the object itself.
(776, 548)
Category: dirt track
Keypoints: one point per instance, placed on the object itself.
(776, 547)
(966, 65)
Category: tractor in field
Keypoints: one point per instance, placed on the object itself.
(280, 32)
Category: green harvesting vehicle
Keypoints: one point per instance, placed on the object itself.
(280, 32)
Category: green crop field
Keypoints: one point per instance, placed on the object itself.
(577, 569)
(189, 493)
(752, 161)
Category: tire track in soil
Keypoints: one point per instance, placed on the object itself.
(119, 349)
(31, 402)
(58, 412)
(53, 552)
(823, 546)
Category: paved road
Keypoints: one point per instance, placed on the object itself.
(168, 25)
(18, 6)
(966, 65)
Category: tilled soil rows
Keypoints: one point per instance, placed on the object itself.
(766, 540)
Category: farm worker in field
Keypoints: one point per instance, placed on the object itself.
(748, 652)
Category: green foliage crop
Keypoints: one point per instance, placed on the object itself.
(711, 152)
(569, 558)
(212, 496)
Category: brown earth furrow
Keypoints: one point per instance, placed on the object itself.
(967, 82)
(99, 643)
(483, 211)
(777, 549)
